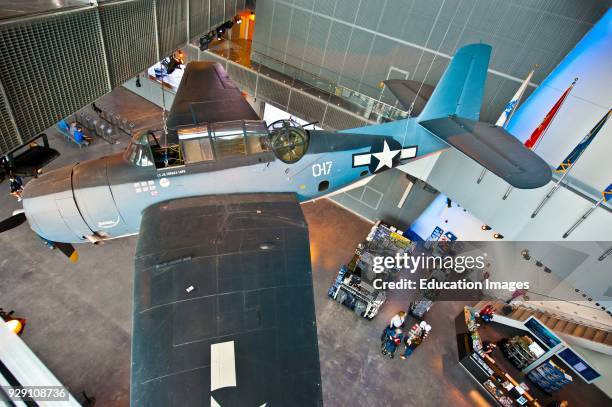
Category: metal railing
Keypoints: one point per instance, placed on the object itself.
(368, 107)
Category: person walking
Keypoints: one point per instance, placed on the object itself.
(393, 339)
(397, 321)
(411, 344)
(16, 186)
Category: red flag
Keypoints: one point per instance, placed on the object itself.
(532, 141)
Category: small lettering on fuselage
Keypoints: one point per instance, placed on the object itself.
(171, 173)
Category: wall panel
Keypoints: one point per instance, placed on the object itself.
(51, 66)
(522, 33)
(199, 17)
(10, 137)
(128, 29)
(171, 25)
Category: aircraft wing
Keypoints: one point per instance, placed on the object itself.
(207, 94)
(223, 304)
(493, 148)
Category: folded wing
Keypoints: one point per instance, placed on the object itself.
(223, 304)
(207, 95)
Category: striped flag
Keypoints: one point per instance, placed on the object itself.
(535, 138)
(571, 159)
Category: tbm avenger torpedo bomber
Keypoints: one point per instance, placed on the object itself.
(223, 281)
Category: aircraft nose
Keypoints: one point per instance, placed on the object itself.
(50, 208)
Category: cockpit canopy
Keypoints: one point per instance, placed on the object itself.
(216, 141)
(138, 152)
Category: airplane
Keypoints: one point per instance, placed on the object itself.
(223, 298)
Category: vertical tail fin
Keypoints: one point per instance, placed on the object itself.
(459, 91)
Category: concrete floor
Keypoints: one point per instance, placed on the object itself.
(79, 316)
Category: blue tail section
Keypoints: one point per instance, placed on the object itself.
(459, 91)
(450, 119)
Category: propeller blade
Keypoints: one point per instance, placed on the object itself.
(68, 250)
(12, 222)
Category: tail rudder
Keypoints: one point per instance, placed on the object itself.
(459, 92)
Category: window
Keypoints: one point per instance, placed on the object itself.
(256, 137)
(230, 146)
(323, 186)
(229, 139)
(138, 151)
(197, 150)
(221, 140)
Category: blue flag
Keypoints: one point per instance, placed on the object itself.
(607, 193)
(571, 159)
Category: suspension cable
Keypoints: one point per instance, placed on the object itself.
(435, 54)
(432, 61)
(165, 127)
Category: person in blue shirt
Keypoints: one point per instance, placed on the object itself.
(63, 126)
(78, 135)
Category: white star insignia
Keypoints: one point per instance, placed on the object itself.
(385, 157)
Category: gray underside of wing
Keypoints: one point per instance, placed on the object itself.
(493, 148)
(410, 94)
(207, 95)
(247, 259)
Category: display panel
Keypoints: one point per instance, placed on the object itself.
(542, 333)
(578, 365)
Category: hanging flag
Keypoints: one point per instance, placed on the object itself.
(607, 193)
(510, 108)
(571, 159)
(566, 165)
(537, 134)
(535, 138)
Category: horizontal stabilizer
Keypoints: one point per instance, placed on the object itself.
(407, 92)
(493, 148)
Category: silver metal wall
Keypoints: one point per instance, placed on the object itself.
(55, 61)
(51, 66)
(358, 43)
(128, 30)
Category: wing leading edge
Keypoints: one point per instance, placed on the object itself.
(223, 304)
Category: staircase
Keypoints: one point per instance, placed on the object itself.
(564, 325)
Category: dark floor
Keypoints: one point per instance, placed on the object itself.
(79, 316)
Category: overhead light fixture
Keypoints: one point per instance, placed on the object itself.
(485, 227)
(449, 203)
(15, 325)
(547, 270)
(498, 236)
(539, 263)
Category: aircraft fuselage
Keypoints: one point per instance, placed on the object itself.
(105, 197)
